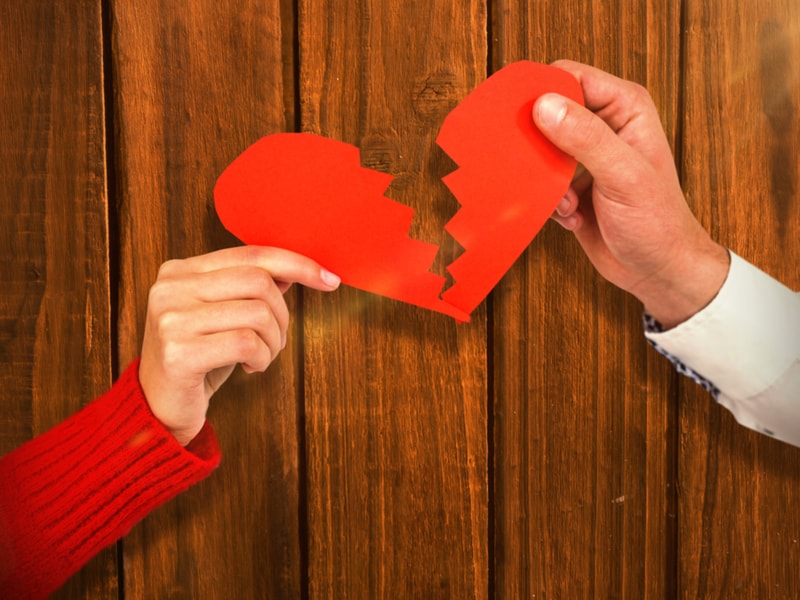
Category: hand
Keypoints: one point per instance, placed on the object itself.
(208, 313)
(626, 208)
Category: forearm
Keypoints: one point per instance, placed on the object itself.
(82, 485)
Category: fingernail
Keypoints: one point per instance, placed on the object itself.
(570, 222)
(329, 278)
(563, 206)
(551, 110)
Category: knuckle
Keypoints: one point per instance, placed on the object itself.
(258, 255)
(263, 313)
(167, 322)
(247, 343)
(172, 355)
(640, 94)
(562, 62)
(261, 362)
(640, 100)
(252, 254)
(157, 294)
(263, 283)
(157, 301)
(167, 268)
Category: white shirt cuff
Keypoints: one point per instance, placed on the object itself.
(745, 339)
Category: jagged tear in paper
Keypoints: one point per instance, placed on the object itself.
(309, 194)
(510, 177)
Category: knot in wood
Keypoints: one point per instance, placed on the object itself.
(435, 95)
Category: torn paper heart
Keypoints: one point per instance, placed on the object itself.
(309, 194)
(510, 177)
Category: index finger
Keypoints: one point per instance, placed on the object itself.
(283, 265)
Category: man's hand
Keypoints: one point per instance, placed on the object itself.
(626, 207)
(207, 314)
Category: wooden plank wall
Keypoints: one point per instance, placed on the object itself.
(541, 450)
(55, 307)
(738, 522)
(584, 412)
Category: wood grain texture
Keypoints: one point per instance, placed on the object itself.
(390, 453)
(395, 396)
(53, 239)
(194, 86)
(739, 524)
(583, 422)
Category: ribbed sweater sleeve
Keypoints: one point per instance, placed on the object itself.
(79, 487)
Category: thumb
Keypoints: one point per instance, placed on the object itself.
(583, 135)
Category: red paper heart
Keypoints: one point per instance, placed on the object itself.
(510, 177)
(309, 194)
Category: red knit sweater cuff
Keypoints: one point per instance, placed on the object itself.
(85, 483)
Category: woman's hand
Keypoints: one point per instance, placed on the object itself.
(207, 314)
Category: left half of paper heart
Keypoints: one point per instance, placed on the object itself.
(310, 195)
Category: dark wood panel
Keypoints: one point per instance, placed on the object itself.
(395, 395)
(54, 307)
(583, 421)
(739, 490)
(195, 84)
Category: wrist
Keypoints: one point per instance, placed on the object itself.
(180, 419)
(688, 285)
(186, 435)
